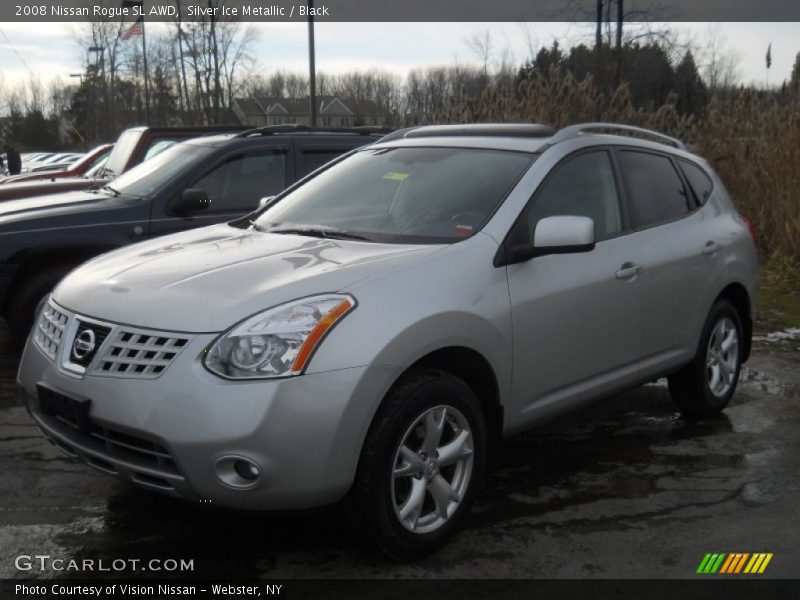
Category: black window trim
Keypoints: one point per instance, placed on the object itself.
(692, 205)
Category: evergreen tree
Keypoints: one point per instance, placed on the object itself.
(692, 92)
(648, 72)
(544, 60)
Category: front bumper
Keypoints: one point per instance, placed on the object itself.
(166, 434)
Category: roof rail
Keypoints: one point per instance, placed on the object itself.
(397, 134)
(573, 131)
(278, 129)
(474, 130)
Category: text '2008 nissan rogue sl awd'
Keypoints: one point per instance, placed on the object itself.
(375, 331)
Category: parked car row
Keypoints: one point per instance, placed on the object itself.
(46, 161)
(365, 317)
(58, 168)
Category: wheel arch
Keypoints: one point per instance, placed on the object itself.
(475, 370)
(31, 264)
(737, 294)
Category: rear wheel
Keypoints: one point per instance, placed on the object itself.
(22, 306)
(705, 386)
(422, 464)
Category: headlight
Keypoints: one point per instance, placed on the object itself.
(277, 342)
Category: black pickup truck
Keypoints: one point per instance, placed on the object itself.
(198, 182)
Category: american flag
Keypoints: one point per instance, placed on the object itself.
(136, 29)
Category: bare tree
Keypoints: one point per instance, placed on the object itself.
(529, 37)
(482, 45)
(216, 49)
(719, 62)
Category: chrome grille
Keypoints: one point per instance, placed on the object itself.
(138, 353)
(50, 329)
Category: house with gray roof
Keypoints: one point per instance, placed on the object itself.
(332, 111)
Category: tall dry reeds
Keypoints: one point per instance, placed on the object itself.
(753, 141)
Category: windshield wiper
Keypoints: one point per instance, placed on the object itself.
(333, 234)
(114, 191)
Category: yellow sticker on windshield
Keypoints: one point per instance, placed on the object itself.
(395, 176)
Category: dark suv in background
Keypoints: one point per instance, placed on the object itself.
(199, 182)
(134, 146)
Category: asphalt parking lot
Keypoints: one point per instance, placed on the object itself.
(624, 488)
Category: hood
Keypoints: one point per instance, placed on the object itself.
(14, 213)
(205, 280)
(11, 190)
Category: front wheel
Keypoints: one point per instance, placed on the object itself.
(705, 386)
(422, 463)
(28, 298)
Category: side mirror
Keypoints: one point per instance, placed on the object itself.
(563, 235)
(556, 235)
(266, 201)
(191, 200)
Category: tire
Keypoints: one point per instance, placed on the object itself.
(25, 301)
(416, 405)
(706, 385)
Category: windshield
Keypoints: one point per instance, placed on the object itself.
(121, 153)
(158, 148)
(95, 170)
(401, 195)
(89, 158)
(148, 177)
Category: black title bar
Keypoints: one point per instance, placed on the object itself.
(394, 10)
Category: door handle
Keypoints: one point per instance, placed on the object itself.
(710, 248)
(628, 270)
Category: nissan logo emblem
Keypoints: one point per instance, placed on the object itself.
(83, 344)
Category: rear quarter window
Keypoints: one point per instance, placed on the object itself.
(314, 159)
(702, 185)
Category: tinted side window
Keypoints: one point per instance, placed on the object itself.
(241, 181)
(585, 187)
(655, 190)
(700, 182)
(314, 159)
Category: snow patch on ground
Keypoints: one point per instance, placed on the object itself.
(792, 333)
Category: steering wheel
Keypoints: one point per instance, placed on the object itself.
(467, 215)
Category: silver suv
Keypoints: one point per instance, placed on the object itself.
(376, 329)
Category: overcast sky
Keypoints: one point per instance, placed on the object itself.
(49, 49)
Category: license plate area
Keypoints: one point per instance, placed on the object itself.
(74, 411)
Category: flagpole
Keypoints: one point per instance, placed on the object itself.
(140, 3)
(312, 70)
(146, 78)
(769, 62)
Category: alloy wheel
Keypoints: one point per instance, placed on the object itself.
(432, 469)
(722, 357)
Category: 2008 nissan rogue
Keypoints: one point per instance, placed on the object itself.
(380, 326)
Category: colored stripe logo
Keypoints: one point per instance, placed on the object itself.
(734, 563)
